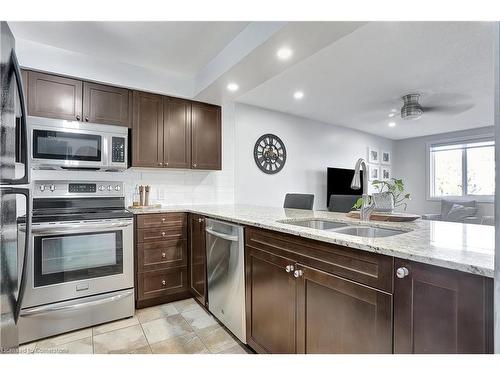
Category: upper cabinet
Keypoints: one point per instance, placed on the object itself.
(107, 104)
(147, 130)
(54, 96)
(206, 136)
(72, 99)
(175, 133)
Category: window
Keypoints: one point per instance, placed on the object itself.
(461, 169)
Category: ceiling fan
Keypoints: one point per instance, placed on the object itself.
(444, 103)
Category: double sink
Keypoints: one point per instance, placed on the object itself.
(352, 230)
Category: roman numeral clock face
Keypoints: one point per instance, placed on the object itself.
(269, 153)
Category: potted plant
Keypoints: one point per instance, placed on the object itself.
(391, 194)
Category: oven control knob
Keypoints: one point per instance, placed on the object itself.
(101, 188)
(42, 187)
(110, 187)
(52, 187)
(117, 188)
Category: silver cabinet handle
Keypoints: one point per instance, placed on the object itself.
(163, 255)
(163, 234)
(194, 165)
(163, 282)
(200, 220)
(402, 272)
(289, 268)
(78, 117)
(163, 219)
(298, 273)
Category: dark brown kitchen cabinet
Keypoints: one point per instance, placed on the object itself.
(335, 315)
(197, 258)
(147, 130)
(176, 133)
(161, 260)
(206, 136)
(54, 96)
(442, 311)
(107, 104)
(304, 296)
(270, 302)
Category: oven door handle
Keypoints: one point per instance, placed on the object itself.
(65, 307)
(77, 228)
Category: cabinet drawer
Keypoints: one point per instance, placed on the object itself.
(364, 267)
(159, 283)
(164, 254)
(160, 234)
(171, 219)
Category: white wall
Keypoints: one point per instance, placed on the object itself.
(172, 187)
(410, 163)
(311, 146)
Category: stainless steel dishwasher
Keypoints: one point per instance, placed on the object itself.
(226, 275)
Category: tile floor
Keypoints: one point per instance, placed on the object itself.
(181, 327)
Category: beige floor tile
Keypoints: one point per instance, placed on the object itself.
(199, 318)
(108, 327)
(122, 340)
(143, 350)
(186, 305)
(186, 344)
(82, 346)
(165, 328)
(235, 349)
(155, 312)
(54, 341)
(216, 339)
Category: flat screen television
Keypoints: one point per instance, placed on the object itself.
(339, 183)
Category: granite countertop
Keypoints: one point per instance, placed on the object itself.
(464, 247)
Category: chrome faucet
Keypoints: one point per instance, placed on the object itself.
(367, 208)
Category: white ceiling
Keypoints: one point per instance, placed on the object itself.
(357, 80)
(183, 47)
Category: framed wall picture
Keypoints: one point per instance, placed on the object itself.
(386, 173)
(373, 172)
(385, 157)
(373, 155)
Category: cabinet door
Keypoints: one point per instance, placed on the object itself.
(197, 258)
(177, 133)
(54, 96)
(147, 130)
(270, 302)
(339, 316)
(441, 311)
(206, 136)
(106, 104)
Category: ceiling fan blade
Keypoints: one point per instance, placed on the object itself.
(449, 109)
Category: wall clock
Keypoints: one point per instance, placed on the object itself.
(269, 153)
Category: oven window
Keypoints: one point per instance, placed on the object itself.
(49, 144)
(62, 258)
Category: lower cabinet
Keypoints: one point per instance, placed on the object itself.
(294, 306)
(197, 258)
(161, 259)
(443, 311)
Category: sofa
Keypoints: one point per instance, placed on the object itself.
(460, 211)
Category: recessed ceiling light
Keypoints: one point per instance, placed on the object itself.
(394, 110)
(298, 95)
(284, 53)
(391, 115)
(392, 124)
(233, 87)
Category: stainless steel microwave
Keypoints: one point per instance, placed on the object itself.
(74, 145)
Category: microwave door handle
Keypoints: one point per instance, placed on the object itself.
(27, 241)
(24, 128)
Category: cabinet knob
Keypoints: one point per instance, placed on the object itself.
(163, 282)
(163, 255)
(298, 273)
(78, 117)
(86, 119)
(163, 234)
(166, 164)
(194, 165)
(160, 164)
(200, 220)
(163, 219)
(402, 272)
(289, 268)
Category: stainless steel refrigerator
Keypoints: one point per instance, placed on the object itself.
(15, 195)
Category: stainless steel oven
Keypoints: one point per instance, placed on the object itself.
(80, 265)
(62, 144)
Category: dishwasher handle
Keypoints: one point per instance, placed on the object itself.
(224, 236)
